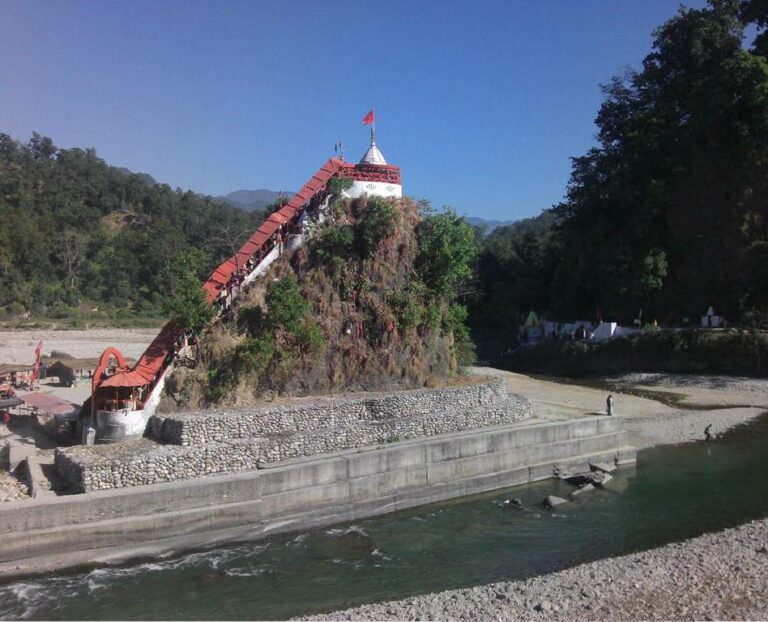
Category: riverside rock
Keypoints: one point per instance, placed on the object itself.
(605, 467)
(582, 490)
(553, 501)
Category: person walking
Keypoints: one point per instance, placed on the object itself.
(609, 406)
(707, 435)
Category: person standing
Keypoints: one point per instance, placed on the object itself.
(707, 435)
(609, 406)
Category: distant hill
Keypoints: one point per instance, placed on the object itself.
(251, 200)
(489, 225)
(78, 234)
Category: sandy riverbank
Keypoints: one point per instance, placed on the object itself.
(691, 403)
(18, 346)
(718, 576)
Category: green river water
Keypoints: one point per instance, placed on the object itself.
(674, 492)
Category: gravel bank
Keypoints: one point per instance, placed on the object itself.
(11, 489)
(18, 346)
(722, 401)
(740, 384)
(685, 426)
(719, 576)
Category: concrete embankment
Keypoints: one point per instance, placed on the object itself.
(717, 576)
(115, 525)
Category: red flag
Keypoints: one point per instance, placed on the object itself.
(369, 118)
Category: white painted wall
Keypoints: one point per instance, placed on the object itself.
(265, 263)
(374, 188)
(604, 331)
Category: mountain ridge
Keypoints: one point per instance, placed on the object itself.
(252, 200)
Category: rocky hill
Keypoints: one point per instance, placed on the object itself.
(367, 303)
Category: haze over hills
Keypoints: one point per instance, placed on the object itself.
(489, 225)
(251, 200)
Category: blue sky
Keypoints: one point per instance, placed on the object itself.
(481, 103)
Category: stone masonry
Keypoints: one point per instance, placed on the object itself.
(205, 443)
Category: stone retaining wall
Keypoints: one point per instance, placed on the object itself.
(195, 428)
(244, 440)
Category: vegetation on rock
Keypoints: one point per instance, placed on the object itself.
(361, 306)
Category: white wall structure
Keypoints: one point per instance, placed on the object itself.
(134, 421)
(374, 188)
(269, 258)
(604, 330)
(626, 331)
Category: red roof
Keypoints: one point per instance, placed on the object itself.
(224, 271)
(151, 362)
(49, 403)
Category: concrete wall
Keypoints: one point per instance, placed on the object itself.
(309, 492)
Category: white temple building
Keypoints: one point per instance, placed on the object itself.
(372, 175)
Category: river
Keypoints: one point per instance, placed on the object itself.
(674, 492)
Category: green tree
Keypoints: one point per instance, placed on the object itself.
(681, 166)
(187, 305)
(378, 221)
(286, 307)
(447, 248)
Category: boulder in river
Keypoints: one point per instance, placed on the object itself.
(605, 467)
(552, 501)
(582, 489)
(596, 478)
(604, 480)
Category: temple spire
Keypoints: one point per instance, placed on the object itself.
(373, 155)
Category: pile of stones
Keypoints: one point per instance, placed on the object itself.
(198, 444)
(598, 475)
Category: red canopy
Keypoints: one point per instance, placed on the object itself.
(49, 403)
(150, 363)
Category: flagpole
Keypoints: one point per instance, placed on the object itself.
(373, 129)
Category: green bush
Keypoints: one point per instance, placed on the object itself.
(455, 322)
(408, 308)
(336, 241)
(446, 250)
(336, 185)
(186, 305)
(286, 307)
(310, 338)
(379, 221)
(255, 353)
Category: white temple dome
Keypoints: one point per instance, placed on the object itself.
(373, 155)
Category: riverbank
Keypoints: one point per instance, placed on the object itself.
(675, 493)
(721, 575)
(18, 346)
(718, 576)
(656, 408)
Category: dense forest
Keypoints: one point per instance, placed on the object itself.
(668, 213)
(79, 235)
